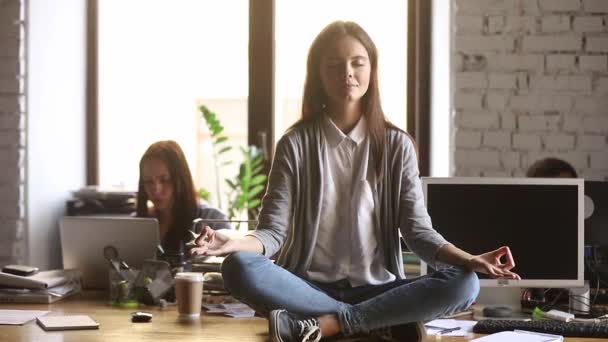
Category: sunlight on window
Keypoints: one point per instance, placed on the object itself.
(297, 24)
(157, 62)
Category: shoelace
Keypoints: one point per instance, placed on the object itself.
(309, 330)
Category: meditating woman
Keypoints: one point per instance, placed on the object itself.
(344, 182)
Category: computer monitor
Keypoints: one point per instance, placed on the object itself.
(541, 220)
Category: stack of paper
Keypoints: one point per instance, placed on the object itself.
(19, 317)
(519, 336)
(43, 287)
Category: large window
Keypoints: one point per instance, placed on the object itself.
(297, 24)
(156, 62)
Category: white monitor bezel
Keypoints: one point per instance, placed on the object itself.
(544, 283)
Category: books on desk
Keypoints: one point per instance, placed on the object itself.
(44, 287)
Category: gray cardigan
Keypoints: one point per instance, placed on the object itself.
(289, 219)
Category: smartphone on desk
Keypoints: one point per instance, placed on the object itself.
(20, 270)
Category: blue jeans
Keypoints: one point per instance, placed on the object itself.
(257, 281)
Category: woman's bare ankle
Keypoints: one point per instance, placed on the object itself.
(329, 325)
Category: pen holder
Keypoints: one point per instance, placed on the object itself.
(153, 282)
(121, 288)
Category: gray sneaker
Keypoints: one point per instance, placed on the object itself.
(289, 327)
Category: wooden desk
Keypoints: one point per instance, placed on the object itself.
(116, 326)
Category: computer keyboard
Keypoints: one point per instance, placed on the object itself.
(566, 329)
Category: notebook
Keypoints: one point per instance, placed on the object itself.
(83, 239)
(75, 322)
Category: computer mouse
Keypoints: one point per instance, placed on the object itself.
(141, 317)
(498, 311)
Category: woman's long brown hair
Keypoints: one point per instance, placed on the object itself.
(185, 203)
(315, 99)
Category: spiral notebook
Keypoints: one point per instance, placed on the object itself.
(75, 322)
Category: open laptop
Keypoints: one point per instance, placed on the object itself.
(83, 239)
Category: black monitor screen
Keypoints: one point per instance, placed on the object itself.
(538, 222)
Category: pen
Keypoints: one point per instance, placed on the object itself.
(449, 330)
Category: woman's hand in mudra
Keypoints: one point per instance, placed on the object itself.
(212, 243)
(491, 264)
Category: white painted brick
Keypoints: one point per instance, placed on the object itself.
(523, 82)
(595, 6)
(597, 44)
(552, 43)
(541, 102)
(595, 124)
(510, 159)
(507, 121)
(11, 122)
(467, 139)
(10, 210)
(558, 141)
(573, 123)
(557, 83)
(470, 80)
(9, 46)
(9, 104)
(9, 66)
(513, 62)
(598, 160)
(588, 24)
(10, 174)
(556, 23)
(593, 63)
(502, 81)
(559, 5)
(496, 24)
(466, 171)
(526, 141)
(538, 122)
(479, 120)
(485, 6)
(469, 23)
(478, 158)
(519, 24)
(474, 62)
(560, 62)
(499, 139)
(495, 173)
(591, 105)
(9, 85)
(591, 142)
(602, 85)
(457, 62)
(484, 43)
(11, 138)
(496, 101)
(468, 101)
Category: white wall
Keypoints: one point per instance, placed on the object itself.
(55, 122)
(530, 81)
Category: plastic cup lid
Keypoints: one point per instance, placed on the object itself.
(189, 276)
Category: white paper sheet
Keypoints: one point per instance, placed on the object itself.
(19, 317)
(464, 327)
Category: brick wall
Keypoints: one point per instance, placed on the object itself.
(530, 80)
(12, 134)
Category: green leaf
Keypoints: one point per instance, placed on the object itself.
(256, 170)
(220, 140)
(231, 184)
(259, 179)
(204, 194)
(253, 204)
(224, 149)
(228, 162)
(254, 191)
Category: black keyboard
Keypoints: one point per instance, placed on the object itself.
(566, 329)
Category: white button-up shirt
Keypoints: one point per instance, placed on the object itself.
(347, 244)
